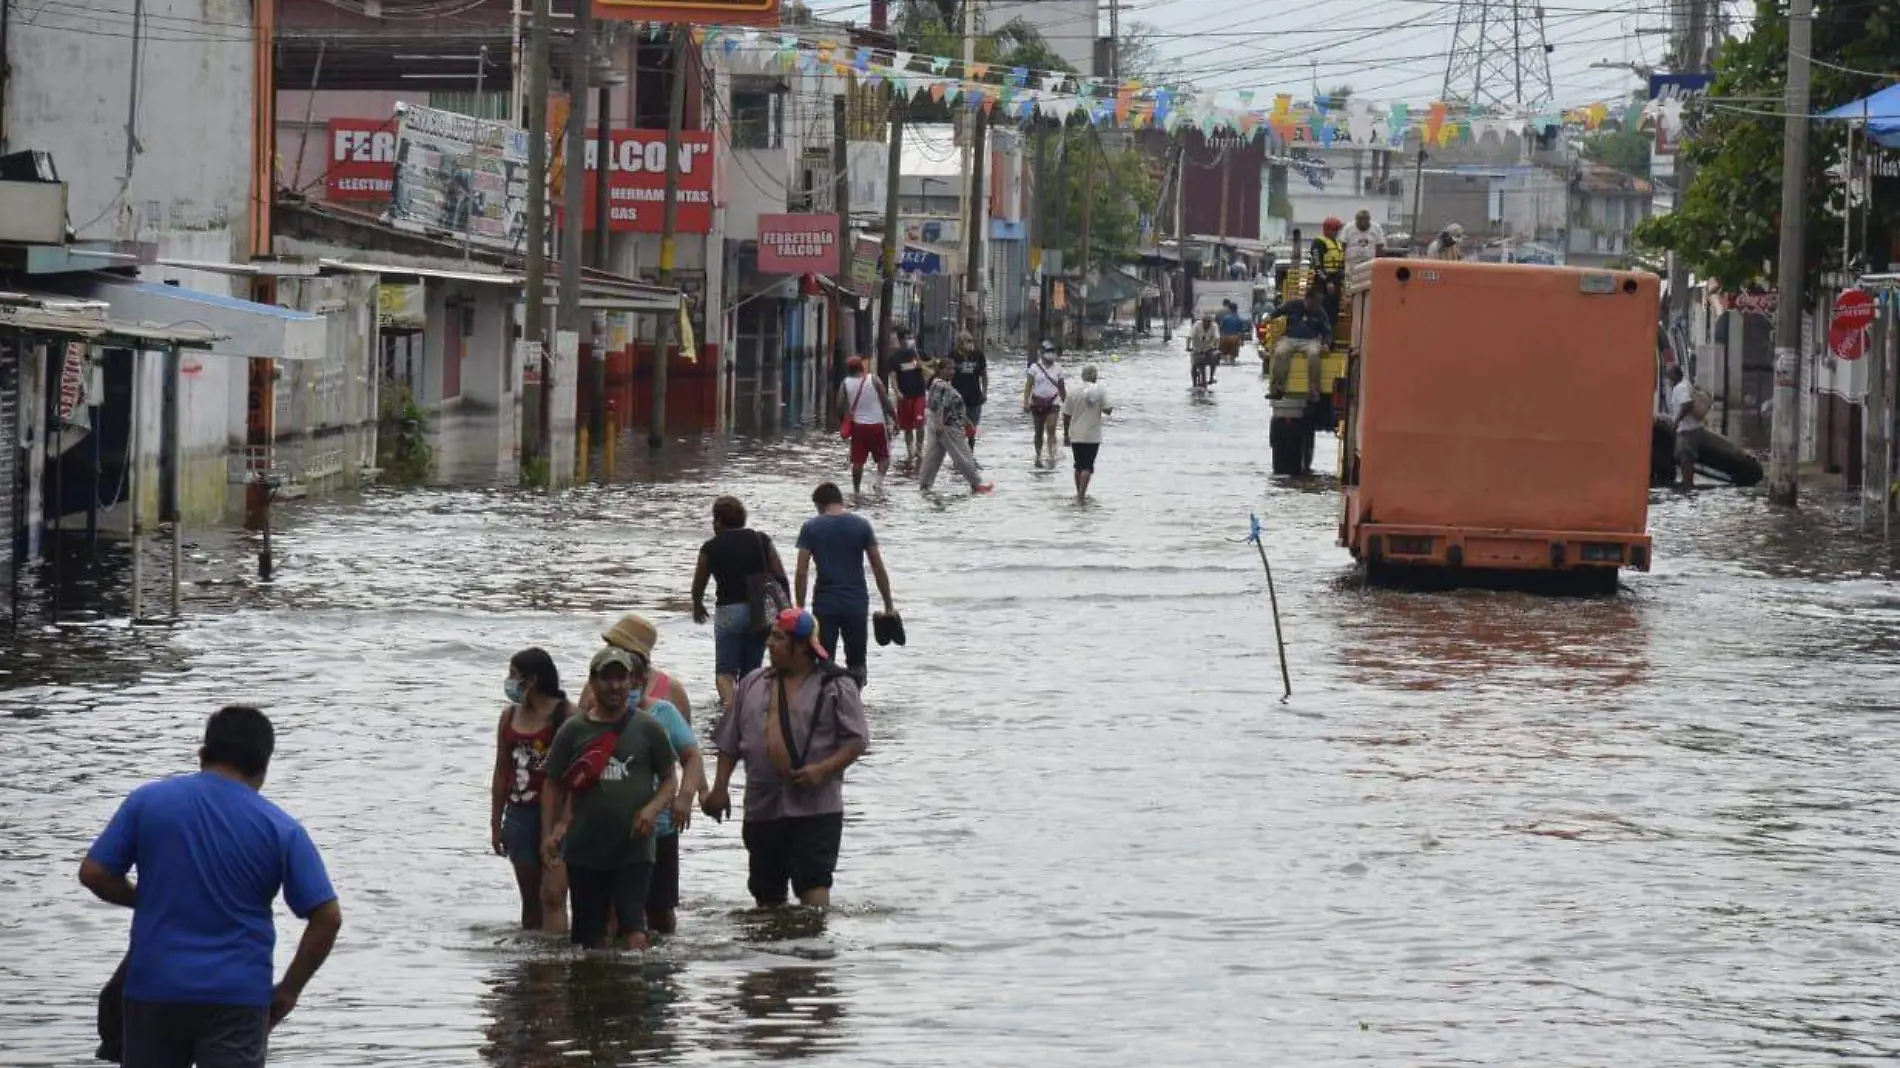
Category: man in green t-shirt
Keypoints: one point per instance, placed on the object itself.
(606, 838)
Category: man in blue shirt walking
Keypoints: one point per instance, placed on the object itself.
(840, 543)
(212, 855)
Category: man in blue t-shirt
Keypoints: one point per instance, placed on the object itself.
(840, 543)
(212, 855)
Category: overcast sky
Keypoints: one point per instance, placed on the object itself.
(1387, 50)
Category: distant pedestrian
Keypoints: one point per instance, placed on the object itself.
(1448, 245)
(867, 408)
(972, 380)
(1043, 394)
(946, 419)
(1688, 408)
(536, 708)
(840, 544)
(212, 855)
(910, 380)
(616, 767)
(1364, 241)
(1082, 416)
(796, 726)
(636, 634)
(745, 564)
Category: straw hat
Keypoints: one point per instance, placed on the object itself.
(634, 634)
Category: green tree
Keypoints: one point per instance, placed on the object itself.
(1626, 150)
(1126, 185)
(1727, 223)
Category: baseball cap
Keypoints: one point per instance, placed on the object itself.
(610, 656)
(800, 625)
(1048, 346)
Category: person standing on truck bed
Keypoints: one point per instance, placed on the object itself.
(1688, 410)
(1447, 245)
(1364, 241)
(1329, 260)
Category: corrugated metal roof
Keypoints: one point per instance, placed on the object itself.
(87, 319)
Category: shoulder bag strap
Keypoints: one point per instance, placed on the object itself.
(785, 725)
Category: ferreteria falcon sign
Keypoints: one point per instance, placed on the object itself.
(798, 244)
(695, 12)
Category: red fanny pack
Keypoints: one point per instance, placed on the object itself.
(585, 772)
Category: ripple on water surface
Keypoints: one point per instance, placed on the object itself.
(1654, 828)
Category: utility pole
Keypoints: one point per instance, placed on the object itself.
(1061, 216)
(973, 238)
(603, 151)
(534, 315)
(893, 173)
(1785, 436)
(1694, 45)
(1173, 229)
(1115, 42)
(1040, 224)
(841, 202)
(574, 174)
(1088, 227)
(669, 226)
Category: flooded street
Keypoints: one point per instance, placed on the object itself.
(1654, 829)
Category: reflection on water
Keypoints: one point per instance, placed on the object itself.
(1490, 827)
(593, 1009)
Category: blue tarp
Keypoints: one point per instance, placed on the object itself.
(1882, 112)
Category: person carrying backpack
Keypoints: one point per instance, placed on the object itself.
(795, 725)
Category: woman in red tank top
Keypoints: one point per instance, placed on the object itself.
(536, 709)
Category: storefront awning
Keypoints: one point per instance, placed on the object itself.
(598, 294)
(46, 313)
(243, 328)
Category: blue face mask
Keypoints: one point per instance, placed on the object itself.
(515, 690)
(634, 699)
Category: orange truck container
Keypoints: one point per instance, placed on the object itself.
(1499, 417)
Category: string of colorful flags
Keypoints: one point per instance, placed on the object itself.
(1019, 94)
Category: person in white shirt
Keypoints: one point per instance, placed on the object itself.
(1364, 241)
(867, 408)
(1043, 394)
(1082, 416)
(1689, 430)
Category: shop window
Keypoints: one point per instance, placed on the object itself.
(757, 113)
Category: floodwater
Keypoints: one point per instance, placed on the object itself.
(1656, 828)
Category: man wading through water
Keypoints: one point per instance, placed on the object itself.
(1082, 428)
(536, 709)
(212, 855)
(618, 768)
(909, 380)
(840, 543)
(972, 381)
(796, 725)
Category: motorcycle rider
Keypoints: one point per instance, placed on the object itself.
(1204, 347)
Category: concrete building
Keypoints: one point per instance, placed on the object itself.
(1318, 182)
(1606, 206)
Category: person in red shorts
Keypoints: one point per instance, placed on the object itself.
(910, 381)
(867, 407)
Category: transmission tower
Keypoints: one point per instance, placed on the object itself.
(1499, 59)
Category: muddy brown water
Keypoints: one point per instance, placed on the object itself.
(1490, 827)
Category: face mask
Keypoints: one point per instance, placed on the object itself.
(515, 690)
(634, 698)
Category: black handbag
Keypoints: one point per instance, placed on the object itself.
(765, 595)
